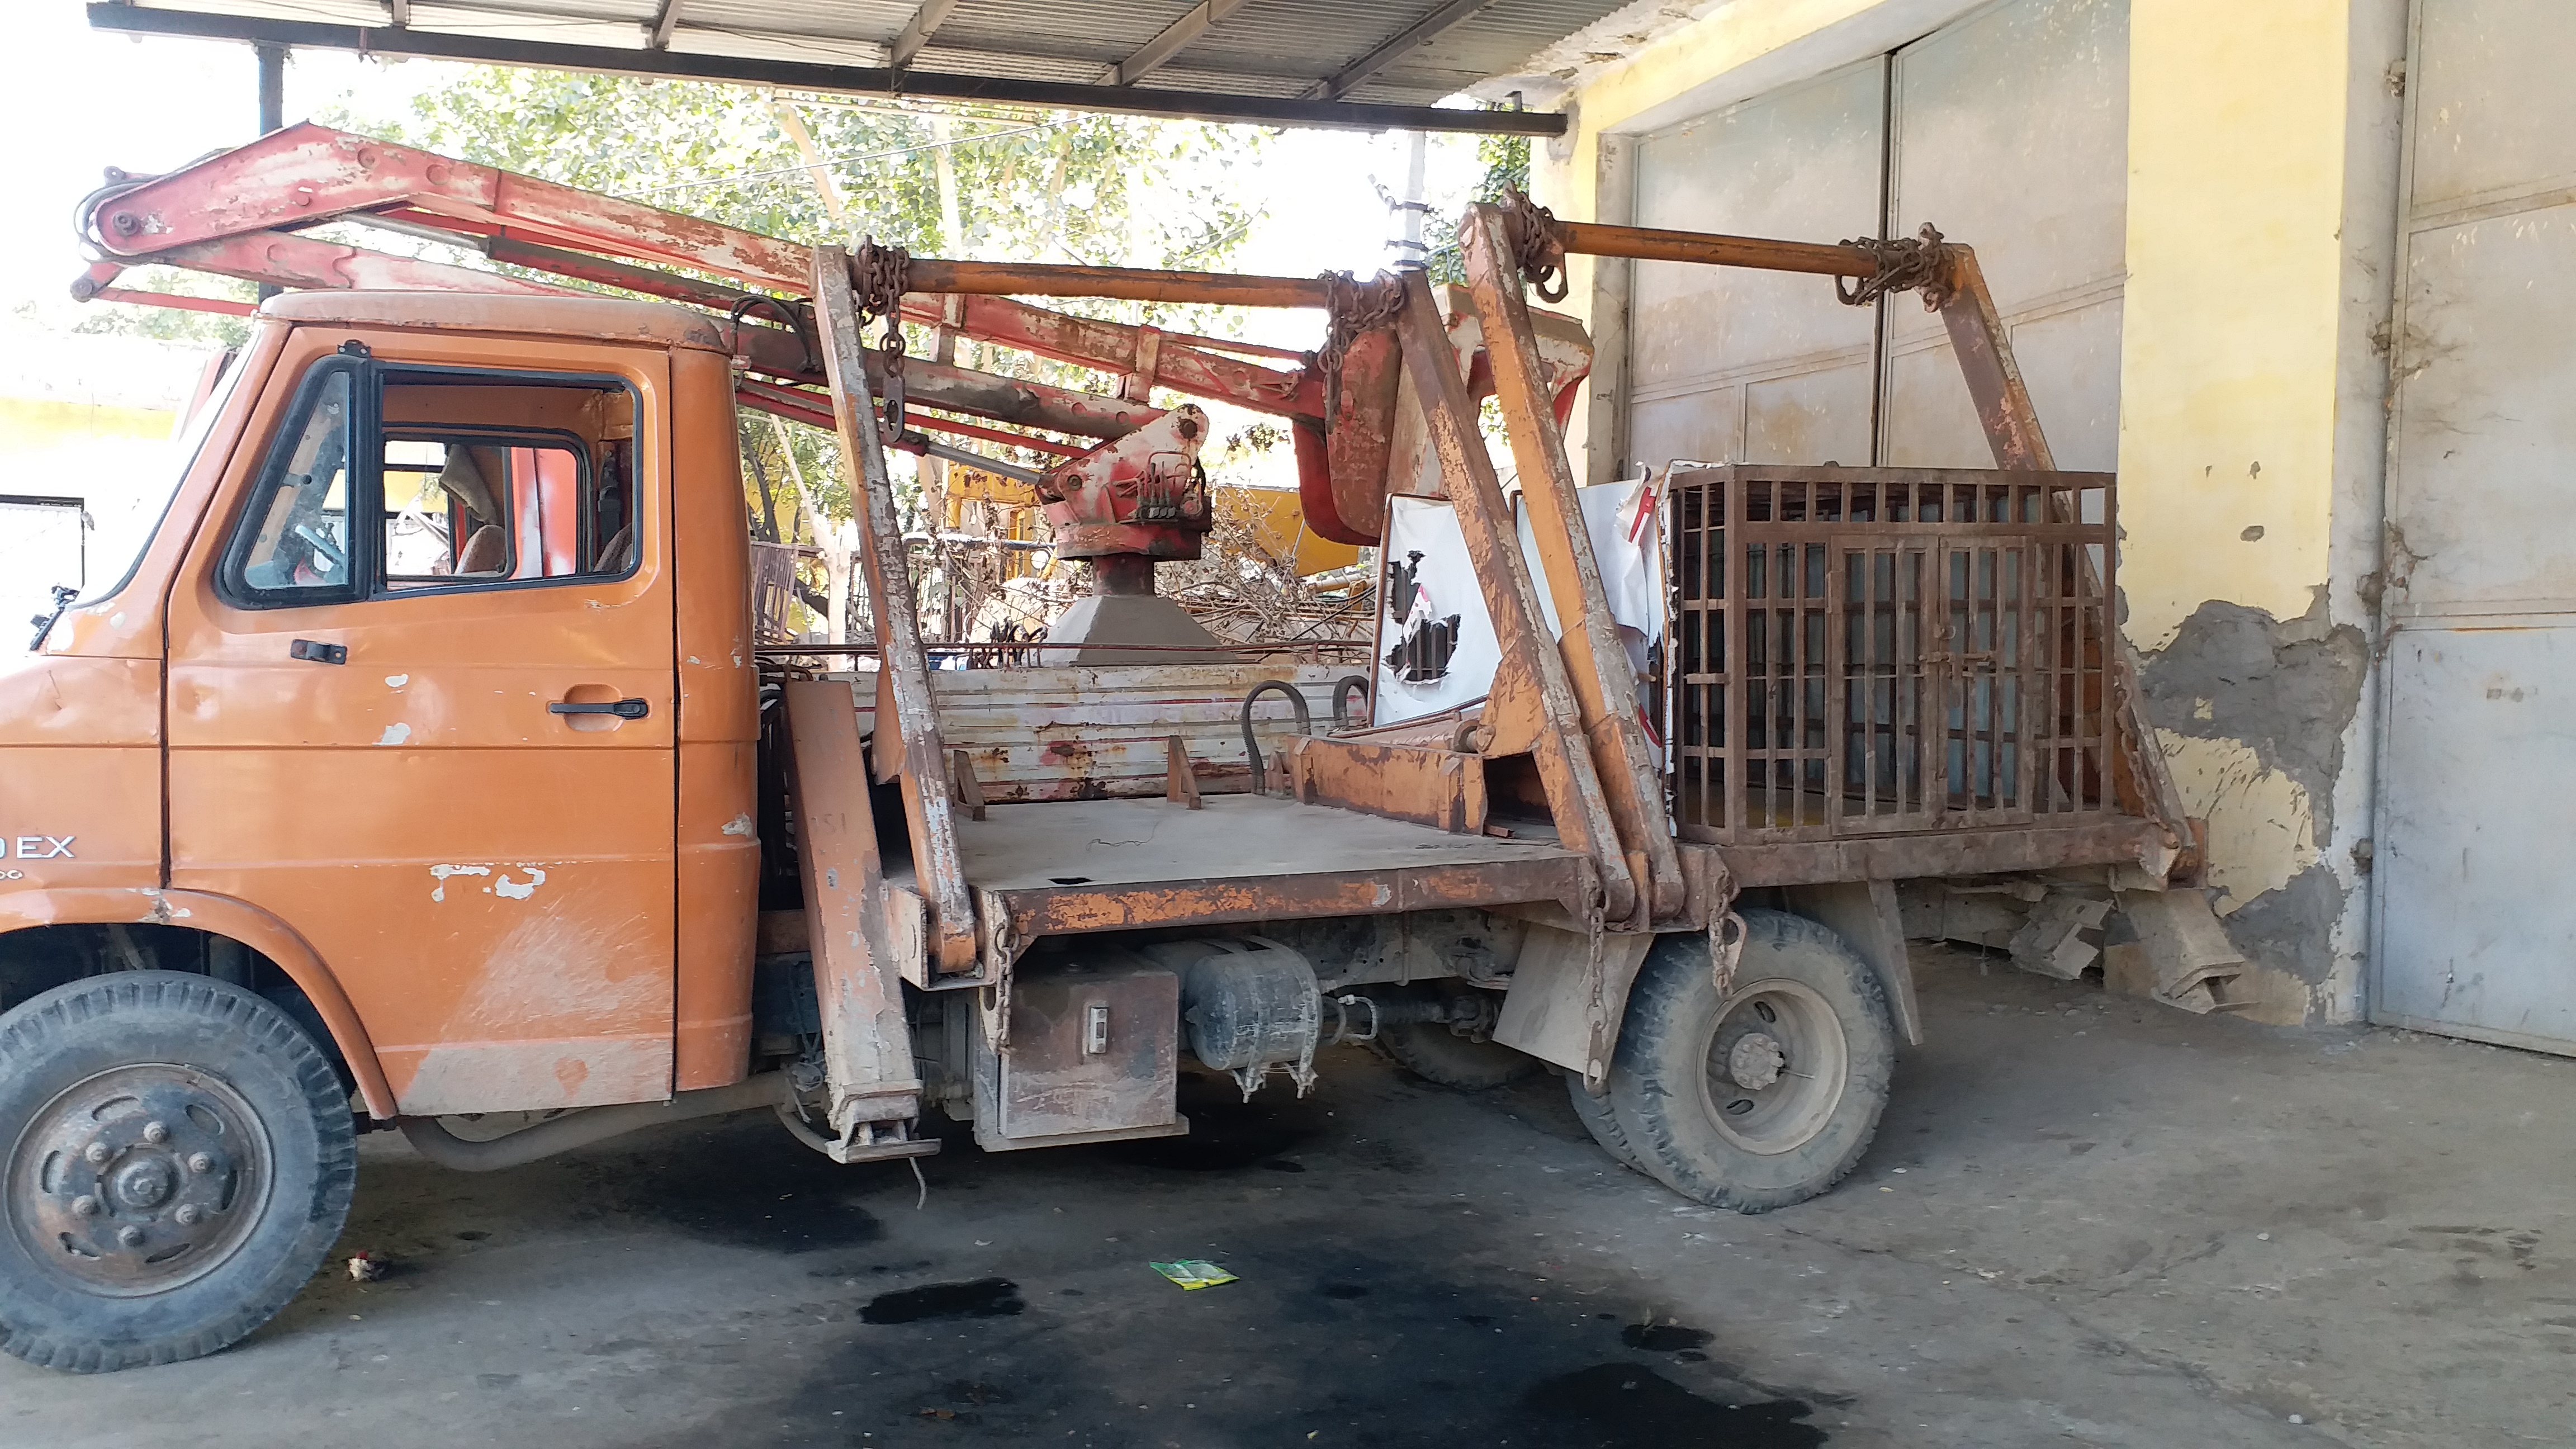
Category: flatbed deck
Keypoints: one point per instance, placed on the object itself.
(1106, 865)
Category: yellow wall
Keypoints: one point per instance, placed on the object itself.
(2230, 334)
(32, 425)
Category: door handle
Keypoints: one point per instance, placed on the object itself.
(622, 708)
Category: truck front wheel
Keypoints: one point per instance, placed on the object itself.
(180, 1160)
(1767, 1095)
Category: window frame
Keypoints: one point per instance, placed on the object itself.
(232, 578)
(490, 436)
(365, 487)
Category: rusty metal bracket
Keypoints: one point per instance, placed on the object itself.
(1726, 950)
(1904, 264)
(905, 672)
(1604, 684)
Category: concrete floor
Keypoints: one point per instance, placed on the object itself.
(2086, 1221)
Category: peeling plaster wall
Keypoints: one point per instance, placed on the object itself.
(2261, 221)
(2262, 225)
(2254, 715)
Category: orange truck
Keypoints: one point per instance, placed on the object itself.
(423, 768)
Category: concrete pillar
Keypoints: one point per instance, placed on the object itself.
(2261, 226)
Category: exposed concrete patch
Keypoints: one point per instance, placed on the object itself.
(2252, 713)
(2292, 928)
(2288, 688)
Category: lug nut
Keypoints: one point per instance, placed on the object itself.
(155, 1133)
(187, 1214)
(130, 1235)
(201, 1162)
(85, 1205)
(96, 1154)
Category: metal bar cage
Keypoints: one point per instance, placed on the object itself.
(1871, 651)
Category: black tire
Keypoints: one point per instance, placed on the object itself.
(1440, 1055)
(1805, 1023)
(1601, 1119)
(192, 1117)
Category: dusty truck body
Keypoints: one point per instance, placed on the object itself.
(426, 759)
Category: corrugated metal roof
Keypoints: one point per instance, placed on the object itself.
(1267, 48)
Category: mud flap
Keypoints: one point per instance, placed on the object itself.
(1864, 914)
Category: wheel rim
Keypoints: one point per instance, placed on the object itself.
(1776, 1066)
(139, 1179)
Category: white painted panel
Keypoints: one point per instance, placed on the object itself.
(1816, 416)
(2496, 117)
(2012, 134)
(2070, 360)
(1430, 596)
(1802, 163)
(2479, 931)
(2474, 929)
(2486, 430)
(1700, 427)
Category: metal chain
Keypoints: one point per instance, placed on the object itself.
(880, 284)
(1535, 246)
(1352, 307)
(1596, 932)
(1904, 264)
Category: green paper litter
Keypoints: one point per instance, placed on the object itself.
(1193, 1273)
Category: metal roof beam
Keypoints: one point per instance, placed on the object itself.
(825, 79)
(665, 21)
(1154, 54)
(925, 22)
(1421, 32)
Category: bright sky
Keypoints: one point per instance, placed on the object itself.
(79, 101)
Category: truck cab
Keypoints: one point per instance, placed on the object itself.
(434, 689)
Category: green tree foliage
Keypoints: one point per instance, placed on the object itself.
(1506, 160)
(1062, 187)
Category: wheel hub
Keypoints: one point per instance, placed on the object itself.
(139, 1179)
(1755, 1061)
(1776, 1065)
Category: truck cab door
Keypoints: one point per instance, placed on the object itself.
(421, 707)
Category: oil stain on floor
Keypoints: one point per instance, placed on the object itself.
(1368, 1311)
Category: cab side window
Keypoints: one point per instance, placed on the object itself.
(488, 480)
(294, 545)
(391, 480)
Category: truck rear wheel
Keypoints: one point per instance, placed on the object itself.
(1769, 1095)
(1601, 1119)
(180, 1161)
